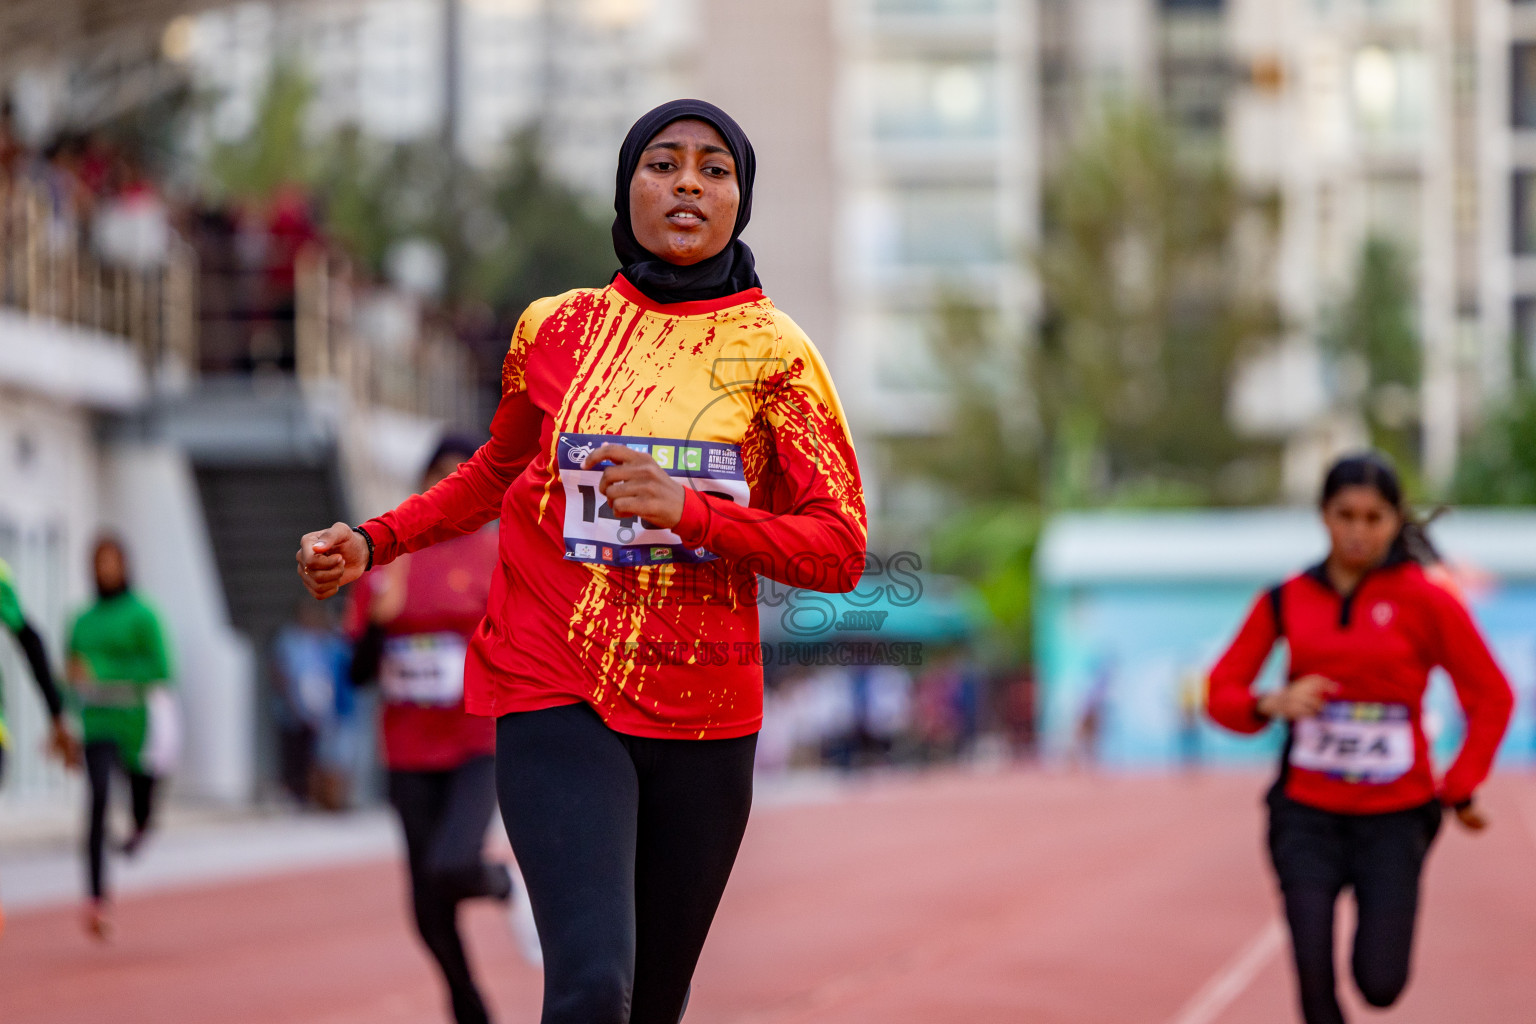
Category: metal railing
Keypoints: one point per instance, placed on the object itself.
(433, 375)
(48, 270)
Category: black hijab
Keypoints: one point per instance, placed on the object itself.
(729, 271)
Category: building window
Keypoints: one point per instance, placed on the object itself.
(1525, 213)
(1392, 209)
(927, 100)
(1196, 74)
(940, 7)
(1391, 98)
(1522, 101)
(1524, 354)
(942, 226)
(904, 358)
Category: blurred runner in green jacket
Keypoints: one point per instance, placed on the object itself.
(117, 657)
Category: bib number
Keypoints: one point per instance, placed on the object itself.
(1355, 742)
(595, 533)
(424, 668)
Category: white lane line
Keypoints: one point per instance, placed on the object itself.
(1229, 982)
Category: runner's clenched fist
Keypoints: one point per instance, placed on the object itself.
(636, 486)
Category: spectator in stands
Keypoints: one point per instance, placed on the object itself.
(11, 150)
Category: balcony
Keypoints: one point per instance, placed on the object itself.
(191, 305)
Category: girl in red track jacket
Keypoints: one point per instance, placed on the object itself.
(1357, 803)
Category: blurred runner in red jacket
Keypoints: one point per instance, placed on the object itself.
(1357, 803)
(412, 621)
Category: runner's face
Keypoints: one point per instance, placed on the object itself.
(684, 195)
(109, 568)
(1361, 525)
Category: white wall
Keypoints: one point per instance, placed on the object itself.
(48, 502)
(60, 486)
(150, 499)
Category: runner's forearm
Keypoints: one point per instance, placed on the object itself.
(37, 657)
(468, 499)
(1485, 696)
(1230, 700)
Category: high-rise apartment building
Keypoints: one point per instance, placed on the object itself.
(934, 129)
(1505, 48)
(904, 144)
(581, 71)
(1397, 119)
(1373, 119)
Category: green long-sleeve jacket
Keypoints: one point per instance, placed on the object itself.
(121, 644)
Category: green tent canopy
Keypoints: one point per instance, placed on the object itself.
(943, 610)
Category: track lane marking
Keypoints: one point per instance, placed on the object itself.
(1228, 983)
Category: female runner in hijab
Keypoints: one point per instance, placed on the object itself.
(660, 442)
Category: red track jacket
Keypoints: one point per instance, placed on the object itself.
(655, 629)
(1366, 753)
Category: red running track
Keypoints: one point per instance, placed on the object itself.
(1021, 897)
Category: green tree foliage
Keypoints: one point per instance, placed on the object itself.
(511, 232)
(1150, 302)
(277, 151)
(537, 237)
(992, 545)
(1375, 331)
(979, 390)
(358, 183)
(1498, 466)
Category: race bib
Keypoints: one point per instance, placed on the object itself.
(423, 668)
(593, 533)
(1355, 742)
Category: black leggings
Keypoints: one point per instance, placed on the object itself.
(445, 815)
(626, 844)
(1380, 856)
(102, 758)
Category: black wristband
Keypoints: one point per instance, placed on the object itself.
(366, 540)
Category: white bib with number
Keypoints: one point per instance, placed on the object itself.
(593, 533)
(1356, 742)
(423, 668)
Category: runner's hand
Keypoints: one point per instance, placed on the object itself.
(329, 559)
(1472, 817)
(1302, 698)
(78, 671)
(635, 486)
(63, 744)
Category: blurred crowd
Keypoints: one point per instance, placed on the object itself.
(103, 200)
(99, 194)
(869, 716)
(320, 721)
(845, 718)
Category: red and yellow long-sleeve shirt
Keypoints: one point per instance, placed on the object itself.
(656, 629)
(1367, 753)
